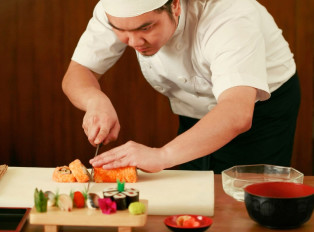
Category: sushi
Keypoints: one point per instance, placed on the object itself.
(126, 174)
(122, 199)
(63, 174)
(131, 195)
(79, 171)
(92, 201)
(65, 202)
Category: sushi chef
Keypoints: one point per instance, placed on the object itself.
(224, 65)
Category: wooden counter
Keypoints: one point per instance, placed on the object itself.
(230, 215)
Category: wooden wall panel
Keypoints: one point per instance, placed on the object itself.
(295, 19)
(303, 149)
(40, 127)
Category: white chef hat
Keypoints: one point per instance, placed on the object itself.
(130, 8)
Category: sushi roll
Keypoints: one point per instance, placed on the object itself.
(120, 200)
(110, 194)
(131, 196)
(126, 174)
(63, 174)
(65, 202)
(92, 201)
(51, 198)
(110, 189)
(79, 171)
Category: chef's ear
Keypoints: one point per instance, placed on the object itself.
(176, 7)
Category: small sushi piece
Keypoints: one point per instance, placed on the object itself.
(132, 189)
(126, 174)
(92, 201)
(131, 196)
(110, 189)
(63, 174)
(110, 194)
(79, 171)
(65, 202)
(78, 199)
(51, 198)
(120, 200)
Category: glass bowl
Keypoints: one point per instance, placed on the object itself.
(235, 179)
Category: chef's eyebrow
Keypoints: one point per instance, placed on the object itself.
(135, 29)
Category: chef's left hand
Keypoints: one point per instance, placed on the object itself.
(130, 154)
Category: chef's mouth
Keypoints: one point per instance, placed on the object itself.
(144, 49)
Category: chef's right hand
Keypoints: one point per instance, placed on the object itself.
(100, 122)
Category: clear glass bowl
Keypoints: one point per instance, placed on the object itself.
(235, 179)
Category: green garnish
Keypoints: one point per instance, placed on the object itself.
(120, 186)
(40, 201)
(137, 208)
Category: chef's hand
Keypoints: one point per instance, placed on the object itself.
(130, 154)
(100, 122)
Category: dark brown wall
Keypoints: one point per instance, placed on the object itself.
(39, 126)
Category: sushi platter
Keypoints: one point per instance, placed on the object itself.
(54, 217)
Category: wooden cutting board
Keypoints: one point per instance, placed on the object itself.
(168, 192)
(55, 217)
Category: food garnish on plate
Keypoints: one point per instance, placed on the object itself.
(119, 198)
(187, 221)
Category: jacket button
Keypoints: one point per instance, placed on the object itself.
(179, 46)
(176, 101)
(211, 106)
(159, 88)
(182, 79)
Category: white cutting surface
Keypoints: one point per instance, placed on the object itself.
(168, 192)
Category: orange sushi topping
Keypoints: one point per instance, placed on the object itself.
(126, 174)
(79, 171)
(63, 174)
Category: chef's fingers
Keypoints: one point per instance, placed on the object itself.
(108, 156)
(93, 126)
(100, 136)
(112, 136)
(85, 125)
(92, 134)
(116, 164)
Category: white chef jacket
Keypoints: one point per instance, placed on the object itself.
(218, 44)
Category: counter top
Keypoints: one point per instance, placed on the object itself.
(230, 215)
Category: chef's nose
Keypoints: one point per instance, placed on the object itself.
(135, 40)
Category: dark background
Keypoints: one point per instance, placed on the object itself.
(40, 127)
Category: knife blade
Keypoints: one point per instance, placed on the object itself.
(92, 172)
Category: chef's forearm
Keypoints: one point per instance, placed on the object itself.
(207, 136)
(227, 120)
(81, 85)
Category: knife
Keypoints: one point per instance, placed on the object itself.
(92, 172)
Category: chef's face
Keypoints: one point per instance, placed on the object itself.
(148, 32)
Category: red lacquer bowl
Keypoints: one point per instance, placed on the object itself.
(280, 205)
(204, 223)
